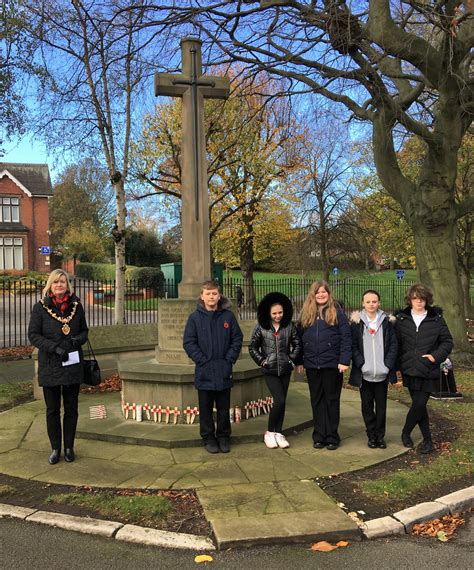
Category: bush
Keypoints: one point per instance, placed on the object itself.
(96, 271)
(147, 277)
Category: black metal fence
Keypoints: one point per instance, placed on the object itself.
(98, 297)
(347, 291)
(18, 297)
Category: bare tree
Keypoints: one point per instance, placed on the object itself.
(403, 68)
(96, 56)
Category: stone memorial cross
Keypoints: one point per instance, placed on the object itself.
(193, 87)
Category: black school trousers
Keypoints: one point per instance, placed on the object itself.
(207, 400)
(52, 398)
(373, 397)
(325, 385)
(278, 386)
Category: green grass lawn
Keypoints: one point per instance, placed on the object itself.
(109, 504)
(12, 394)
(456, 457)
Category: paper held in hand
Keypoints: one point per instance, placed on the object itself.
(73, 358)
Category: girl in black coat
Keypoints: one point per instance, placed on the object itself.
(424, 343)
(58, 329)
(275, 346)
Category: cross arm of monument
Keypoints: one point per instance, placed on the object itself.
(174, 85)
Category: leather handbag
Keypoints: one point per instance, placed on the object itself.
(91, 369)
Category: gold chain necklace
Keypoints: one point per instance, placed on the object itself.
(65, 320)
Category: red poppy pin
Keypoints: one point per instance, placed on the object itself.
(372, 331)
(226, 325)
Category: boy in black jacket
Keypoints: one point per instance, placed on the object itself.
(213, 339)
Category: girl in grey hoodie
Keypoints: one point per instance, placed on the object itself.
(374, 357)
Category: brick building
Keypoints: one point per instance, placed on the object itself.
(25, 190)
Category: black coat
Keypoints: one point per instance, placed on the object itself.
(275, 351)
(390, 350)
(327, 346)
(213, 339)
(433, 337)
(44, 332)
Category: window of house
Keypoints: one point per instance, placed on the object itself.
(9, 209)
(11, 253)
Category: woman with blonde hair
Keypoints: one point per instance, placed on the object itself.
(326, 339)
(58, 329)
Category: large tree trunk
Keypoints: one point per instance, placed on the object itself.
(437, 267)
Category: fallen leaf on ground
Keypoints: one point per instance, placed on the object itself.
(342, 543)
(442, 529)
(323, 546)
(200, 558)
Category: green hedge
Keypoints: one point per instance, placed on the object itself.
(147, 277)
(100, 271)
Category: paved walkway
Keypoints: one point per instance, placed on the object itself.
(252, 495)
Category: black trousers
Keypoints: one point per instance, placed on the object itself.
(52, 398)
(373, 398)
(418, 414)
(207, 399)
(325, 385)
(278, 386)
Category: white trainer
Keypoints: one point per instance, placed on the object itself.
(281, 440)
(270, 440)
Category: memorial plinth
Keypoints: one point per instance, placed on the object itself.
(168, 379)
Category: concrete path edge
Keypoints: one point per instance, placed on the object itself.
(399, 523)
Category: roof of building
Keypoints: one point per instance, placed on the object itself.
(34, 177)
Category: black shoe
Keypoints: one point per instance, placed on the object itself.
(407, 441)
(381, 444)
(54, 457)
(372, 444)
(332, 446)
(69, 455)
(211, 446)
(224, 444)
(319, 445)
(426, 446)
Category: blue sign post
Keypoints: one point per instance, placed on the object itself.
(336, 271)
(45, 250)
(400, 273)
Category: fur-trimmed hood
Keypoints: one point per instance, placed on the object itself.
(355, 317)
(431, 312)
(263, 310)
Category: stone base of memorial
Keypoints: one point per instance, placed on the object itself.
(168, 379)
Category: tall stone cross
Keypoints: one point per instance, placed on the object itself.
(193, 87)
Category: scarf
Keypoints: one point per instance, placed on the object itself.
(61, 304)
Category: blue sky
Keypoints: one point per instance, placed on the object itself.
(26, 150)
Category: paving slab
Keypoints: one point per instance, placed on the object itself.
(292, 527)
(163, 539)
(79, 524)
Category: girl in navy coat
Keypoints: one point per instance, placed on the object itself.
(326, 338)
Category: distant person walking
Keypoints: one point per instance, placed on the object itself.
(275, 346)
(424, 343)
(213, 339)
(374, 359)
(326, 337)
(58, 329)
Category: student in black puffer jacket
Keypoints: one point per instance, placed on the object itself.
(275, 346)
(58, 329)
(424, 342)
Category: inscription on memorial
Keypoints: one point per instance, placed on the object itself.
(172, 318)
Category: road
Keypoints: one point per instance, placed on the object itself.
(27, 545)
